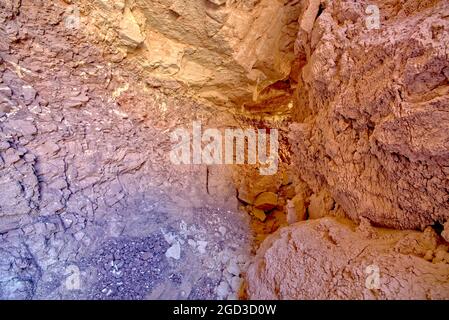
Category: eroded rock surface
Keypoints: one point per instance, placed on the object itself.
(373, 111)
(370, 141)
(90, 203)
(335, 259)
(91, 207)
(228, 52)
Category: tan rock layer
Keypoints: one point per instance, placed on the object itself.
(228, 52)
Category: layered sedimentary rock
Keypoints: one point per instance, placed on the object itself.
(372, 109)
(228, 52)
(90, 205)
(87, 100)
(371, 137)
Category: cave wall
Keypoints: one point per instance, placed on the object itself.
(335, 259)
(372, 110)
(226, 52)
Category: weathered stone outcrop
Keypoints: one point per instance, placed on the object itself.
(371, 140)
(334, 259)
(90, 205)
(90, 90)
(228, 52)
(372, 109)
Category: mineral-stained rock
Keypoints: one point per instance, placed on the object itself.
(296, 209)
(227, 51)
(334, 259)
(130, 32)
(372, 110)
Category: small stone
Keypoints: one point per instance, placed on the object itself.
(6, 91)
(146, 255)
(259, 214)
(266, 201)
(130, 31)
(222, 230)
(76, 102)
(429, 255)
(4, 145)
(202, 246)
(29, 157)
(320, 204)
(11, 157)
(174, 251)
(191, 243)
(233, 268)
(218, 2)
(79, 235)
(236, 283)
(27, 230)
(296, 210)
(23, 126)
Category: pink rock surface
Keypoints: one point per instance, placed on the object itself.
(334, 259)
(373, 111)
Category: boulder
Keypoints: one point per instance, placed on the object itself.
(332, 258)
(266, 201)
(130, 33)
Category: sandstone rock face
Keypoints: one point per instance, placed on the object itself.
(333, 259)
(228, 52)
(372, 109)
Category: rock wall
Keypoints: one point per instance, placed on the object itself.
(90, 205)
(372, 109)
(330, 258)
(370, 142)
(228, 52)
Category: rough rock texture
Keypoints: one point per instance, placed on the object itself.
(372, 110)
(90, 204)
(228, 52)
(371, 141)
(92, 208)
(333, 259)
